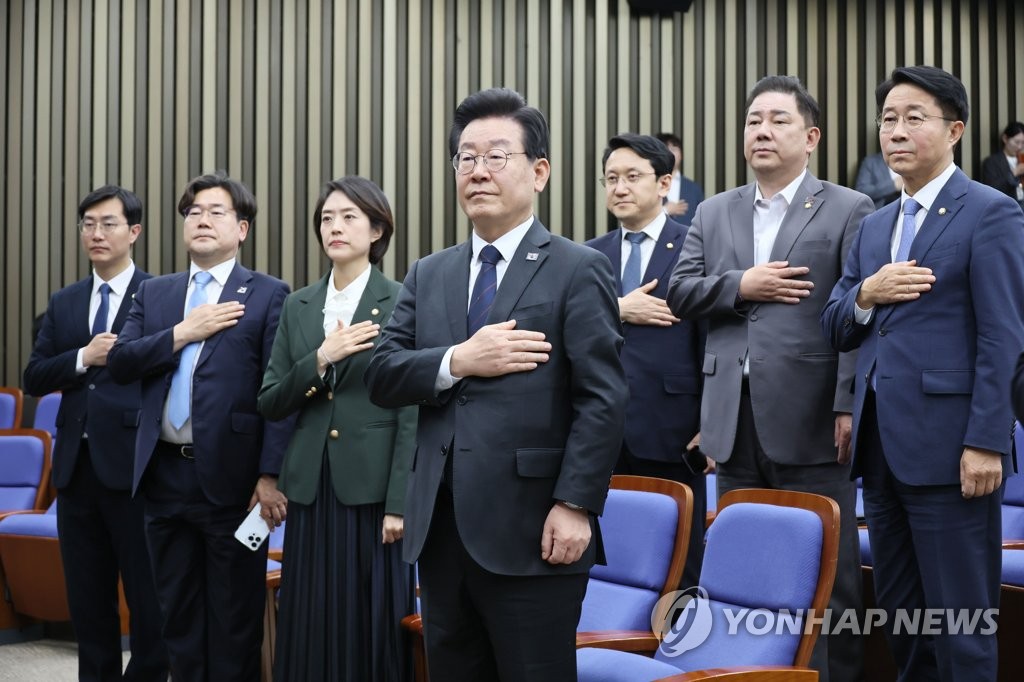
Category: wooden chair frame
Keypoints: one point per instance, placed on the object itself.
(19, 404)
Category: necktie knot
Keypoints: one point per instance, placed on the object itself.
(490, 255)
(636, 237)
(104, 289)
(911, 207)
(202, 279)
(99, 324)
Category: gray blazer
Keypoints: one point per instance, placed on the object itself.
(797, 382)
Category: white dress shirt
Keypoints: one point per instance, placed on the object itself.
(653, 231)
(341, 305)
(118, 287)
(768, 217)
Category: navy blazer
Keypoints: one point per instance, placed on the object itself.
(522, 440)
(662, 364)
(942, 363)
(91, 403)
(233, 444)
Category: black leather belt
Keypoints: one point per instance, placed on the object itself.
(176, 449)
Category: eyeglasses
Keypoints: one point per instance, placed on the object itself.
(215, 212)
(464, 163)
(887, 122)
(106, 226)
(612, 181)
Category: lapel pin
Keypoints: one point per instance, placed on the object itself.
(241, 290)
(532, 255)
(670, 245)
(808, 202)
(375, 311)
(942, 211)
(133, 296)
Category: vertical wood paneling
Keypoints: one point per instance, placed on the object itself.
(286, 94)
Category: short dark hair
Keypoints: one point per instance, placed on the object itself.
(1014, 129)
(371, 200)
(946, 88)
(790, 85)
(131, 203)
(670, 138)
(646, 147)
(502, 103)
(242, 200)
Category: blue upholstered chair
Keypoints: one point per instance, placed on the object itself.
(30, 557)
(24, 469)
(711, 483)
(767, 550)
(46, 413)
(11, 402)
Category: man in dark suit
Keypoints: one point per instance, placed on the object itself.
(931, 296)
(660, 353)
(757, 264)
(1004, 170)
(199, 341)
(684, 195)
(876, 180)
(521, 411)
(100, 526)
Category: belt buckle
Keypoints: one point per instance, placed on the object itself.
(187, 451)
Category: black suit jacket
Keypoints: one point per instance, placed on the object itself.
(524, 440)
(91, 403)
(233, 444)
(995, 172)
(662, 363)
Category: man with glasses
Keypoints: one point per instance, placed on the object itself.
(757, 265)
(199, 341)
(509, 344)
(931, 295)
(661, 354)
(100, 526)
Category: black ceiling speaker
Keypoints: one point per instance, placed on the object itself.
(659, 6)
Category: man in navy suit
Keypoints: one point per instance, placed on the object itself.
(199, 341)
(660, 352)
(521, 399)
(100, 526)
(931, 295)
(684, 195)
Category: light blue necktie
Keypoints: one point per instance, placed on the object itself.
(631, 275)
(99, 323)
(179, 402)
(910, 209)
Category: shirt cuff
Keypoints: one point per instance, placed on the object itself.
(444, 379)
(862, 316)
(80, 367)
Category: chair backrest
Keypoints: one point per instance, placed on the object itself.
(771, 553)
(1013, 495)
(11, 403)
(645, 528)
(46, 413)
(24, 469)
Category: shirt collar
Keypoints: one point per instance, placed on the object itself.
(788, 192)
(219, 272)
(355, 287)
(652, 229)
(506, 244)
(926, 195)
(118, 283)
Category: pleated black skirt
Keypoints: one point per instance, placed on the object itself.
(342, 596)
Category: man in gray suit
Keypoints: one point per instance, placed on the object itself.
(509, 344)
(758, 264)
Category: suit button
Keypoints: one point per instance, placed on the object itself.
(462, 400)
(753, 317)
(883, 332)
(333, 434)
(92, 387)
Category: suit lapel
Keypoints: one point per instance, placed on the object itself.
(80, 310)
(456, 289)
(666, 251)
(741, 226)
(371, 307)
(946, 205)
(311, 314)
(126, 302)
(611, 246)
(529, 257)
(797, 217)
(236, 288)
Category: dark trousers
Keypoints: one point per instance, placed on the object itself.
(211, 587)
(631, 465)
(101, 535)
(839, 657)
(481, 627)
(931, 549)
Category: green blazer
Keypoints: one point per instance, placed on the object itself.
(369, 447)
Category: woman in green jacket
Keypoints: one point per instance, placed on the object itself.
(344, 586)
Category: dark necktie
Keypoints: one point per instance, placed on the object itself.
(631, 275)
(483, 290)
(99, 324)
(910, 209)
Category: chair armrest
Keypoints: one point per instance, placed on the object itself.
(277, 554)
(413, 623)
(747, 673)
(640, 641)
(1013, 544)
(4, 515)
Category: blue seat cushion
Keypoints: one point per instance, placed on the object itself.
(608, 606)
(1013, 567)
(865, 547)
(607, 665)
(35, 525)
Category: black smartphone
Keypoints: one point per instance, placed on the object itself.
(695, 461)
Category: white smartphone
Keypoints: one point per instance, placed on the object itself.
(253, 531)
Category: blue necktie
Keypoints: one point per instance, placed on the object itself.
(631, 275)
(179, 402)
(99, 324)
(483, 290)
(910, 209)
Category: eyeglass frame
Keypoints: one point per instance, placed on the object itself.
(458, 156)
(87, 226)
(208, 211)
(906, 123)
(624, 178)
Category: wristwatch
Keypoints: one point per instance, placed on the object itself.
(570, 505)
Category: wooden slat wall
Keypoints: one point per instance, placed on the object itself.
(285, 94)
